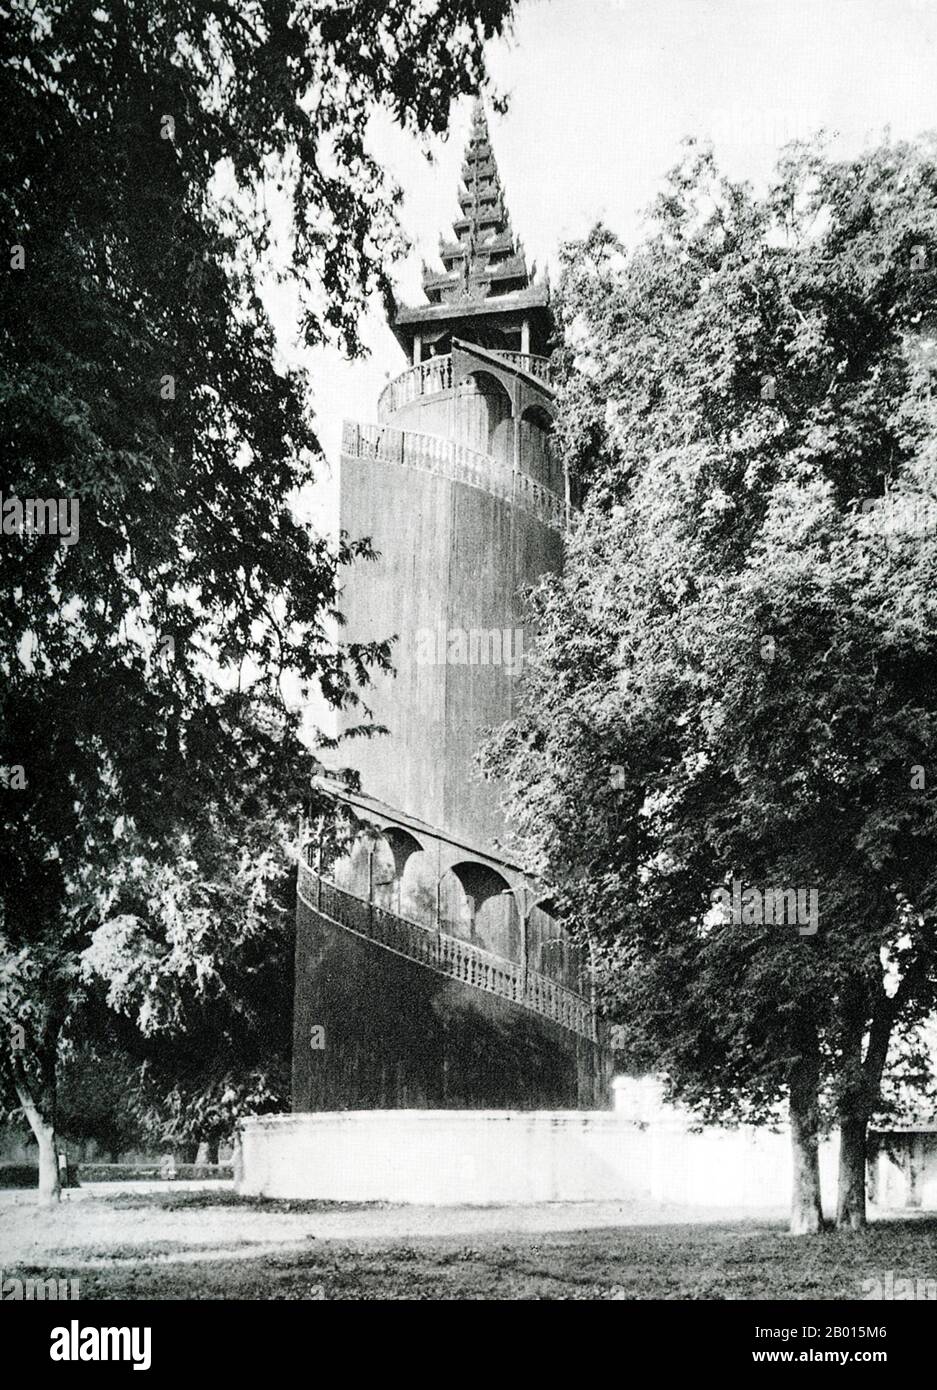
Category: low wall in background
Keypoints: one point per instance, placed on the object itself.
(903, 1169)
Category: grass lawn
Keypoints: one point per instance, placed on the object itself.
(217, 1245)
(652, 1262)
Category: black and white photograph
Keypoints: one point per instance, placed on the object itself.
(468, 670)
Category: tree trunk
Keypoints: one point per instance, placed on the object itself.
(806, 1208)
(42, 1123)
(850, 1200)
(863, 1017)
(50, 1187)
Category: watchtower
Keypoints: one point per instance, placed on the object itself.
(433, 963)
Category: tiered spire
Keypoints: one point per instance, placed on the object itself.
(486, 260)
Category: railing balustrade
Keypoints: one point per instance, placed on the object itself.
(423, 379)
(540, 367)
(449, 459)
(446, 954)
(435, 374)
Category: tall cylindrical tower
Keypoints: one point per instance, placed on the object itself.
(432, 957)
(456, 486)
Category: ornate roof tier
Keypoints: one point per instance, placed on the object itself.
(485, 292)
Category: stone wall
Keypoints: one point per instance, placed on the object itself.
(478, 1157)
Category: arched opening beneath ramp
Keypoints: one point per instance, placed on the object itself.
(402, 846)
(536, 448)
(549, 950)
(377, 863)
(477, 904)
(490, 418)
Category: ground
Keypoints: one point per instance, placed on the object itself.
(150, 1241)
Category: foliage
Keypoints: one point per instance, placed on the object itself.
(736, 677)
(142, 662)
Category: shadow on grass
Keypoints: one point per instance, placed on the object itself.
(206, 1200)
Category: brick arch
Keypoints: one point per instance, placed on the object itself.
(403, 844)
(480, 880)
(537, 413)
(550, 952)
(376, 861)
(466, 366)
(531, 397)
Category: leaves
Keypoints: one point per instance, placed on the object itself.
(142, 668)
(736, 673)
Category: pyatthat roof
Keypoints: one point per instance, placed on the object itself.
(486, 258)
(484, 289)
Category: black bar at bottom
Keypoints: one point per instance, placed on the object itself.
(217, 1338)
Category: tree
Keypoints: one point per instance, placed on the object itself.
(96, 1096)
(195, 955)
(162, 586)
(733, 690)
(191, 966)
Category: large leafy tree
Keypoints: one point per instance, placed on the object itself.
(142, 663)
(736, 678)
(193, 963)
(191, 966)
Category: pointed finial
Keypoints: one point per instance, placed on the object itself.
(486, 251)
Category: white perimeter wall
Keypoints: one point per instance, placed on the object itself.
(643, 1149)
(479, 1156)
